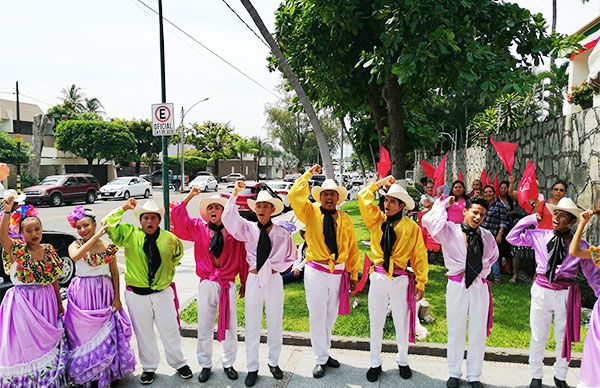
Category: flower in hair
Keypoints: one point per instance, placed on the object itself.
(23, 212)
(78, 213)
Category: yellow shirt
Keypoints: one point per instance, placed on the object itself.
(310, 215)
(409, 244)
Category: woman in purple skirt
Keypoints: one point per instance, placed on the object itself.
(33, 350)
(589, 375)
(98, 329)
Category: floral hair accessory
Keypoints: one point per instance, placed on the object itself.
(23, 212)
(78, 213)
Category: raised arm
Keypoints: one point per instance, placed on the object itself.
(511, 188)
(575, 247)
(118, 232)
(237, 226)
(369, 210)
(76, 251)
(6, 241)
(436, 220)
(184, 227)
(298, 194)
(519, 234)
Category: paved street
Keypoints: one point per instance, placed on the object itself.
(297, 363)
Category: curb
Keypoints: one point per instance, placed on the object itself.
(510, 355)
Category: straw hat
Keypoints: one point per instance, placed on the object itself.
(205, 202)
(567, 205)
(19, 198)
(330, 185)
(264, 196)
(400, 193)
(149, 207)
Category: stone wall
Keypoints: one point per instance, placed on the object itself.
(566, 148)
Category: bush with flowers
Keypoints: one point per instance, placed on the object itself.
(582, 95)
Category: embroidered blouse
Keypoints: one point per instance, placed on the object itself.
(27, 270)
(96, 263)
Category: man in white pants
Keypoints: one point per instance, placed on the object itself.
(331, 257)
(219, 259)
(469, 252)
(151, 255)
(395, 241)
(269, 251)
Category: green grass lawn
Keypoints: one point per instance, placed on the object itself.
(511, 307)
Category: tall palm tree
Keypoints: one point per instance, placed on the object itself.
(93, 105)
(289, 74)
(74, 96)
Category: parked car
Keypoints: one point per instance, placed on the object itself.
(125, 187)
(317, 180)
(234, 176)
(60, 241)
(291, 177)
(58, 189)
(155, 179)
(205, 183)
(1, 190)
(282, 188)
(250, 192)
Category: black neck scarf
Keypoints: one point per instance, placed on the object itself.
(216, 241)
(263, 249)
(388, 238)
(329, 230)
(474, 254)
(153, 258)
(556, 253)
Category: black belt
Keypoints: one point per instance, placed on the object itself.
(142, 290)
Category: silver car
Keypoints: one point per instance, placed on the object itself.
(205, 183)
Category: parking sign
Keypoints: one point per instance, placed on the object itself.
(163, 119)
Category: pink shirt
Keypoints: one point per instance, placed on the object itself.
(455, 211)
(454, 244)
(283, 249)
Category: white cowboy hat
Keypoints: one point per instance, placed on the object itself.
(399, 192)
(264, 196)
(204, 202)
(149, 207)
(330, 185)
(567, 205)
(19, 198)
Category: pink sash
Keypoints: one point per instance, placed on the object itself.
(344, 305)
(490, 319)
(410, 299)
(224, 305)
(572, 331)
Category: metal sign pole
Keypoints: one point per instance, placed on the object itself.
(165, 155)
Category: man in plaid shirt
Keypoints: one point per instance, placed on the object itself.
(496, 221)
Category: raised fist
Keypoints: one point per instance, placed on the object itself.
(316, 169)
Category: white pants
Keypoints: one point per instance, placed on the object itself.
(382, 291)
(271, 297)
(464, 305)
(208, 302)
(544, 302)
(146, 311)
(322, 298)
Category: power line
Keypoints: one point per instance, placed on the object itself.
(208, 49)
(246, 24)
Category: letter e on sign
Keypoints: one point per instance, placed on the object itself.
(163, 120)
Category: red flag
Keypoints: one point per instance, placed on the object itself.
(439, 174)
(364, 277)
(484, 178)
(528, 188)
(460, 177)
(506, 153)
(428, 169)
(496, 185)
(385, 164)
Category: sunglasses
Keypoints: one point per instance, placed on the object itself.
(557, 189)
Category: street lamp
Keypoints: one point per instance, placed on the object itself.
(453, 138)
(181, 142)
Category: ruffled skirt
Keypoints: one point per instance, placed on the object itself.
(589, 375)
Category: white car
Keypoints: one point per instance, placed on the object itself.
(282, 188)
(205, 183)
(125, 187)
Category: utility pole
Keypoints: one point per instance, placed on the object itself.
(181, 145)
(18, 138)
(165, 155)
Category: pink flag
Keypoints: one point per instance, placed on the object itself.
(364, 277)
(528, 188)
(439, 174)
(484, 178)
(496, 185)
(385, 164)
(460, 177)
(428, 169)
(506, 153)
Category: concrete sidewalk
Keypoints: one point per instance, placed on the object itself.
(297, 363)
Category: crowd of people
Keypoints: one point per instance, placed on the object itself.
(87, 343)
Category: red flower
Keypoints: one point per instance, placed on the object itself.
(29, 277)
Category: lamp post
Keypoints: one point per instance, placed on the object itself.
(181, 142)
(453, 152)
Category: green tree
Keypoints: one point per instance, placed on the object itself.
(10, 154)
(75, 106)
(147, 145)
(74, 98)
(94, 140)
(213, 140)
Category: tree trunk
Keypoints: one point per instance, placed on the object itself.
(90, 164)
(360, 161)
(138, 166)
(395, 109)
(377, 111)
(553, 30)
(39, 123)
(289, 74)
